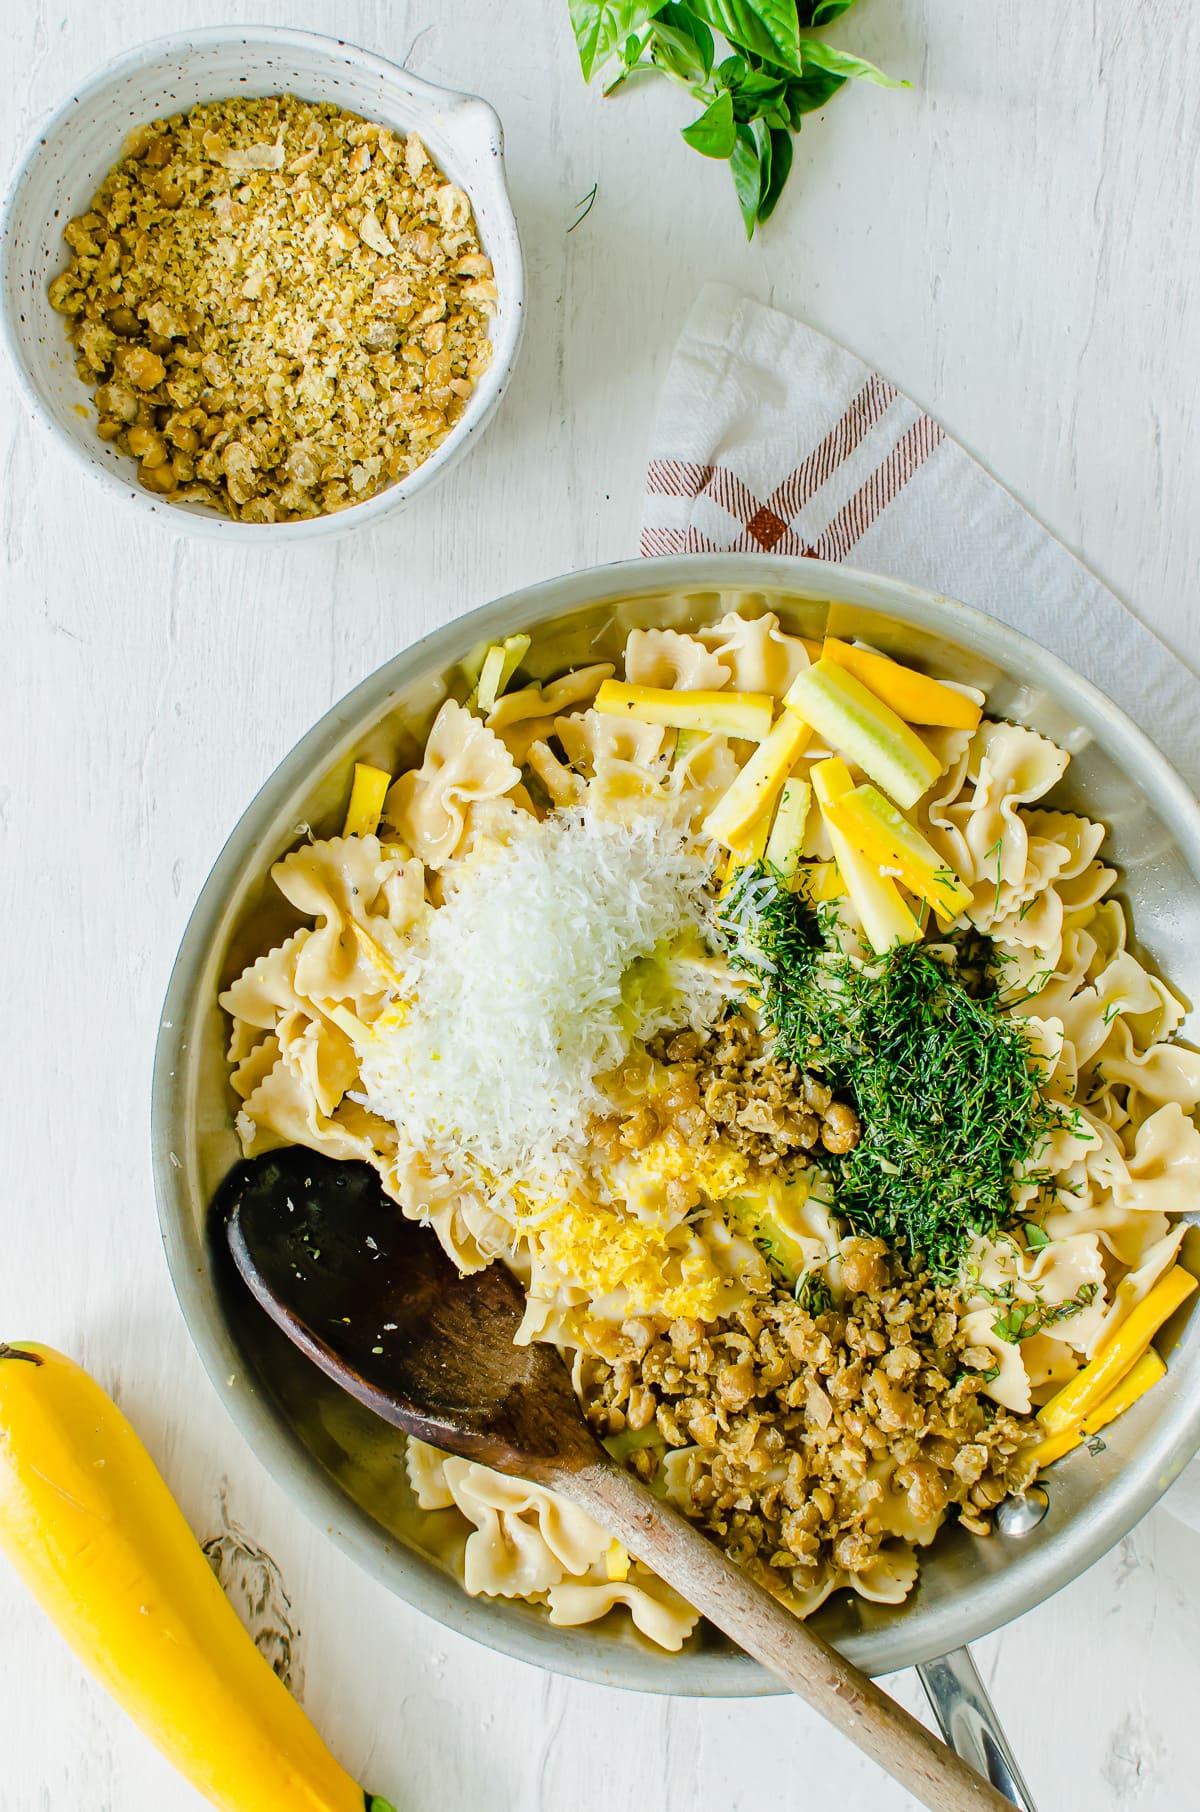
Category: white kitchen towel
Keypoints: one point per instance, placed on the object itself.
(771, 438)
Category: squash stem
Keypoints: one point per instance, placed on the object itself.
(17, 1352)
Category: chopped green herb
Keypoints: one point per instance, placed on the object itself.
(1027, 1318)
(1036, 1237)
(944, 1081)
(998, 850)
(813, 1294)
(587, 203)
(1012, 1327)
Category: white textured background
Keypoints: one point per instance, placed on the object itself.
(1016, 243)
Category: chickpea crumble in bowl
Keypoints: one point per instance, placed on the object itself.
(289, 309)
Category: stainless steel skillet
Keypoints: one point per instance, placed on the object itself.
(336, 1464)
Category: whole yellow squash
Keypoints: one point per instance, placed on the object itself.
(88, 1522)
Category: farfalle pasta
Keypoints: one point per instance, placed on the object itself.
(781, 1033)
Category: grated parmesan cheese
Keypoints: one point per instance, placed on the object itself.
(519, 1002)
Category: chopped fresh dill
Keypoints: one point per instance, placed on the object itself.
(997, 849)
(945, 1082)
(813, 1293)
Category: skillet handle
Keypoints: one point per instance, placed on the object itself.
(967, 1719)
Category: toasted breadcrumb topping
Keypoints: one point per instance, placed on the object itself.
(282, 307)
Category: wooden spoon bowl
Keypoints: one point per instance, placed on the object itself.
(374, 1301)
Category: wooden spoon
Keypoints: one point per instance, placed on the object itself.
(373, 1300)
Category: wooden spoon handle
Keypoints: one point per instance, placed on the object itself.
(664, 1540)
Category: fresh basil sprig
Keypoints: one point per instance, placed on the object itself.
(753, 100)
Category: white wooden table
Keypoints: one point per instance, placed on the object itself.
(1017, 243)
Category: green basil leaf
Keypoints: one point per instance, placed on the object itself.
(678, 53)
(753, 107)
(602, 26)
(682, 23)
(766, 28)
(809, 92)
(762, 138)
(712, 135)
(759, 82)
(746, 168)
(752, 104)
(840, 62)
(624, 64)
(822, 12)
(732, 71)
(676, 56)
(781, 169)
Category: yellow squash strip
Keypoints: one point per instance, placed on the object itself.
(834, 781)
(1118, 1355)
(852, 720)
(377, 956)
(753, 792)
(743, 714)
(819, 881)
(367, 794)
(787, 832)
(913, 696)
(884, 836)
(752, 849)
(92, 1529)
(886, 919)
(356, 1030)
(616, 1560)
(1148, 1370)
(739, 860)
(499, 664)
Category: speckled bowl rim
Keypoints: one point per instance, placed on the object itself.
(1028, 1575)
(471, 109)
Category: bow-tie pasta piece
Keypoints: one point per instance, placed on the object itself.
(657, 1611)
(262, 993)
(758, 655)
(1163, 1174)
(454, 1206)
(665, 658)
(355, 954)
(890, 1577)
(320, 1054)
(283, 1110)
(464, 762)
(1136, 1285)
(544, 703)
(525, 1538)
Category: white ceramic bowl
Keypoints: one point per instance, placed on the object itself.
(84, 139)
